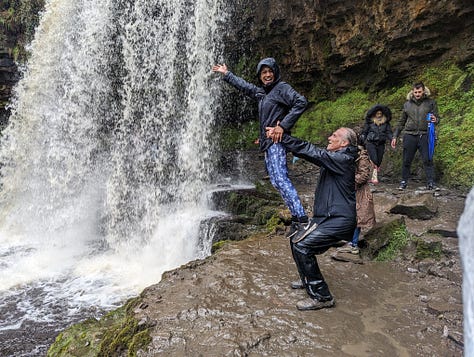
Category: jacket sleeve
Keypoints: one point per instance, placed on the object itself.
(365, 131)
(388, 132)
(296, 104)
(401, 123)
(332, 161)
(242, 85)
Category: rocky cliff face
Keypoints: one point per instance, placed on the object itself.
(369, 43)
(8, 77)
(18, 20)
(8, 69)
(334, 44)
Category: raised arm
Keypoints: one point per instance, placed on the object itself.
(247, 88)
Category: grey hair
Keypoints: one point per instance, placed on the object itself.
(350, 136)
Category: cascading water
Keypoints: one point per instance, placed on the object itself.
(107, 155)
(466, 247)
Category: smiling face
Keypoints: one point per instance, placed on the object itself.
(337, 140)
(266, 75)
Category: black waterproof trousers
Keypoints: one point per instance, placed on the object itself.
(375, 151)
(412, 143)
(326, 235)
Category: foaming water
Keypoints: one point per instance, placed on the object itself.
(466, 247)
(108, 155)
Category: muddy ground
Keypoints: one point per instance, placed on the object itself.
(239, 301)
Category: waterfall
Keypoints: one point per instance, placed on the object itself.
(466, 247)
(108, 153)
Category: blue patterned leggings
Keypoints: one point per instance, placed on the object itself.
(275, 160)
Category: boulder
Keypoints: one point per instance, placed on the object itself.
(379, 237)
(420, 206)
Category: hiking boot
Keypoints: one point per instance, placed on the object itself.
(403, 185)
(303, 231)
(297, 284)
(355, 250)
(313, 304)
(431, 187)
(348, 248)
(345, 249)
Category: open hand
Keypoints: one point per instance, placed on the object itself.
(221, 68)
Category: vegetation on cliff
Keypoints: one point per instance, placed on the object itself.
(18, 20)
(117, 333)
(452, 87)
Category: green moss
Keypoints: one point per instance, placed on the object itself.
(259, 208)
(117, 333)
(239, 136)
(78, 340)
(20, 19)
(398, 240)
(322, 119)
(246, 67)
(455, 94)
(274, 223)
(218, 245)
(428, 250)
(265, 214)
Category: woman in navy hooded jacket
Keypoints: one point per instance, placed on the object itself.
(279, 106)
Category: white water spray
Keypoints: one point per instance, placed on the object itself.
(108, 152)
(466, 247)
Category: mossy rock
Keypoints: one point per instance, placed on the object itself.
(118, 333)
(385, 240)
(428, 250)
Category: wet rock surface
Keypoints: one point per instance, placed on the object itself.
(238, 302)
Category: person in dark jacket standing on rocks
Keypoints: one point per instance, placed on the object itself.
(334, 211)
(279, 106)
(415, 125)
(377, 131)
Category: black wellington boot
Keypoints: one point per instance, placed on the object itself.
(297, 284)
(316, 287)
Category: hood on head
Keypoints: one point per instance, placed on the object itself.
(385, 111)
(269, 62)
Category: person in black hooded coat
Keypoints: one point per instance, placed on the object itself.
(279, 106)
(376, 132)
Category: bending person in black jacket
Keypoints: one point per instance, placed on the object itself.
(279, 106)
(334, 212)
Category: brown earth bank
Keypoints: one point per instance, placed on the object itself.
(238, 302)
